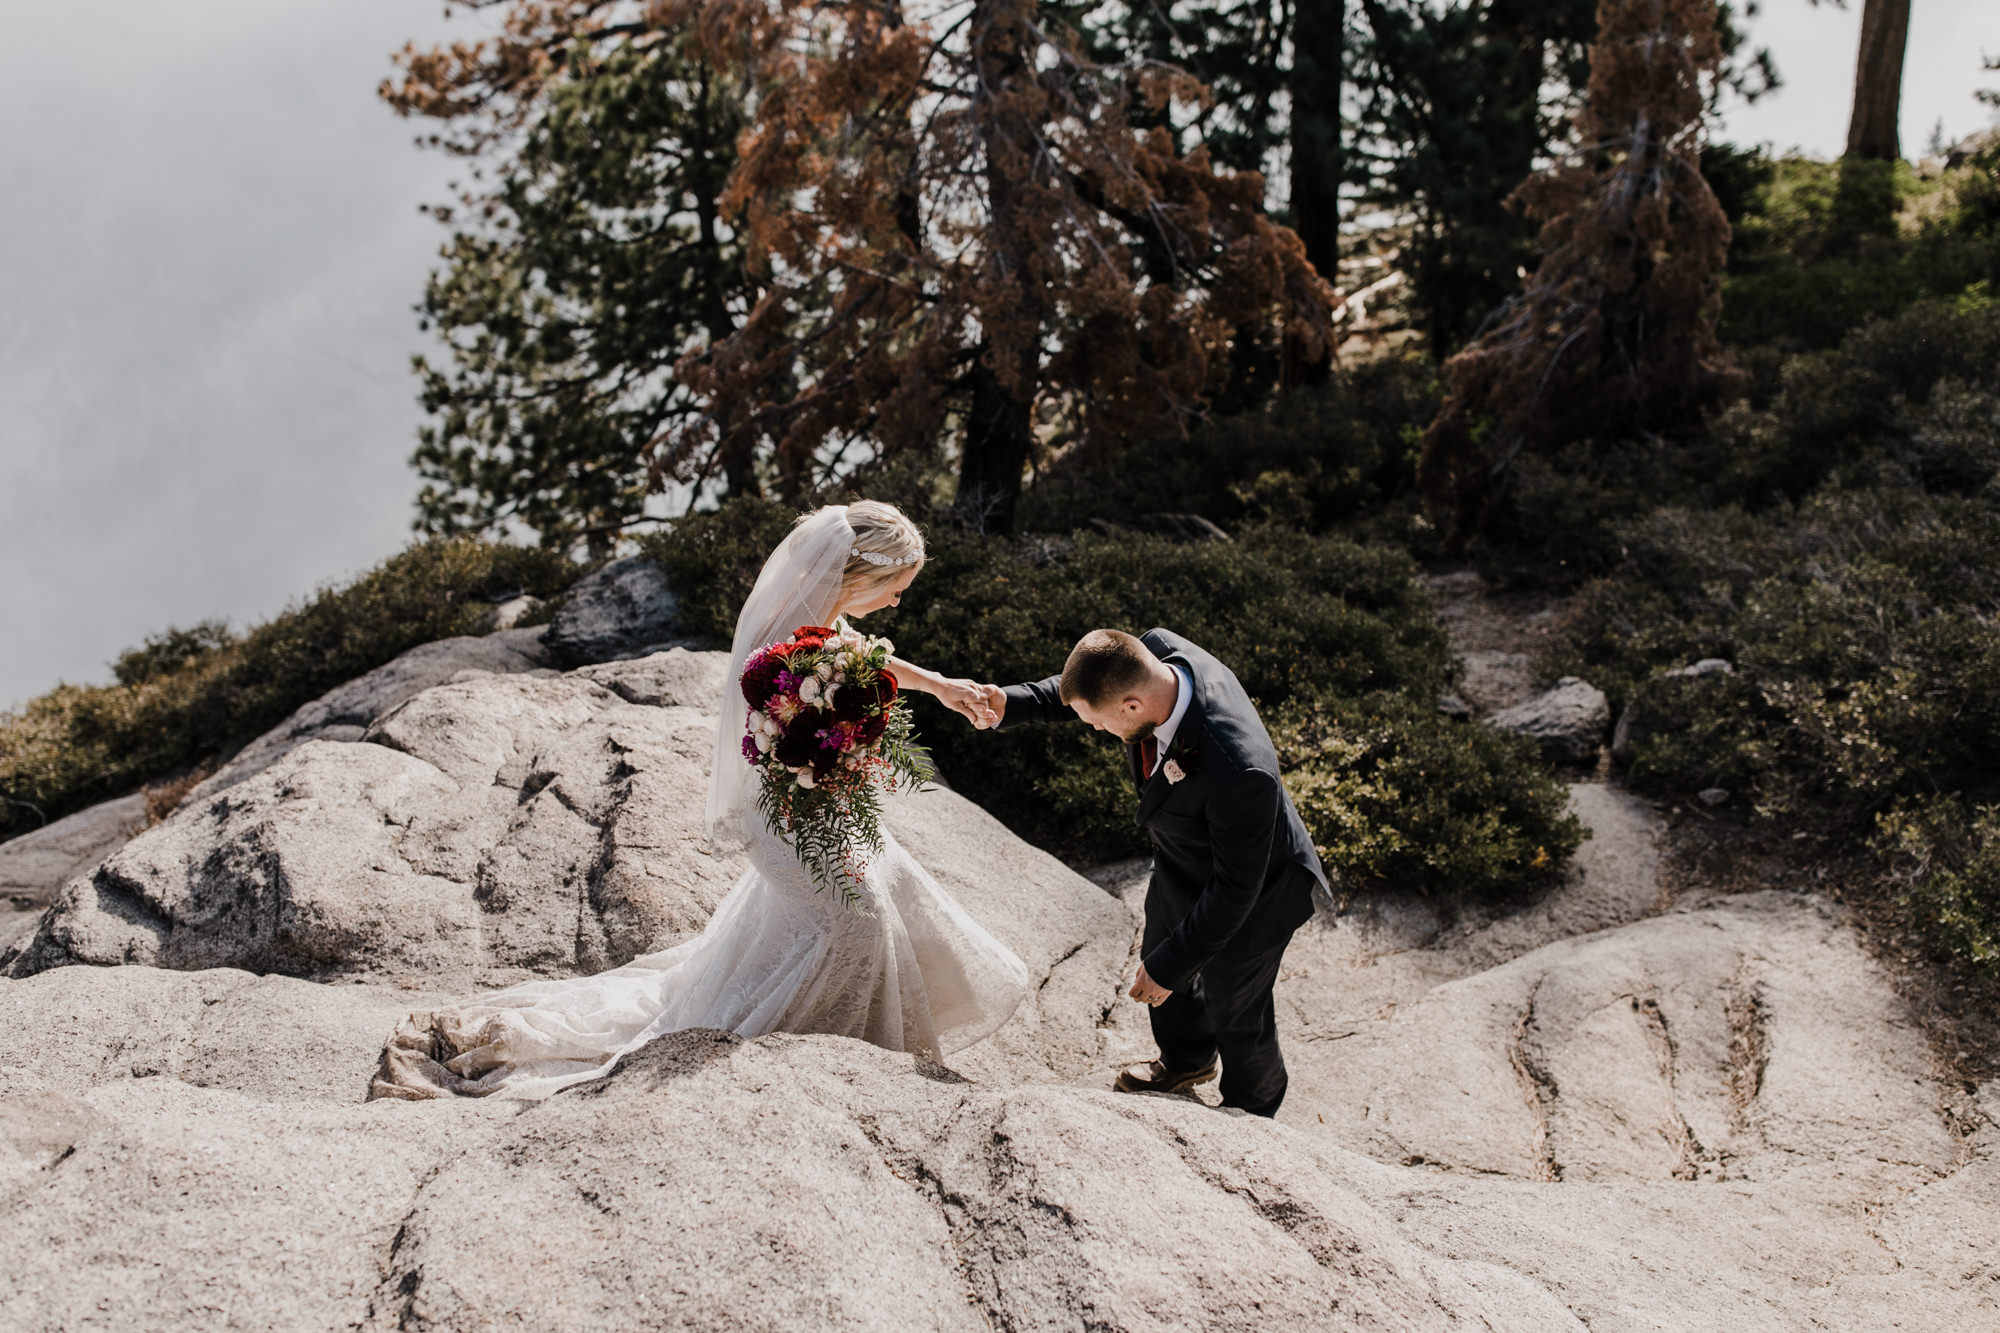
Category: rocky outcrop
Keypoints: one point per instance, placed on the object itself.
(622, 610)
(491, 829)
(801, 1181)
(500, 828)
(1652, 1108)
(35, 866)
(1568, 721)
(707, 1182)
(1601, 1107)
(346, 712)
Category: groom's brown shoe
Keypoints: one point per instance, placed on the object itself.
(1153, 1076)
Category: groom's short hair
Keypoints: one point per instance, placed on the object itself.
(1105, 666)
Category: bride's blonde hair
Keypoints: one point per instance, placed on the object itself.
(888, 534)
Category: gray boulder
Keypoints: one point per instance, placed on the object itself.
(491, 829)
(345, 712)
(674, 678)
(1568, 721)
(506, 615)
(617, 612)
(35, 866)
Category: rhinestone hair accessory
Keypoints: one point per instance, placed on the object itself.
(877, 558)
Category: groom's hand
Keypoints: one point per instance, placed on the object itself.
(995, 700)
(1146, 990)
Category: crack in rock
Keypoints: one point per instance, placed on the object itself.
(1538, 1086)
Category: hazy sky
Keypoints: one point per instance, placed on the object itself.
(209, 248)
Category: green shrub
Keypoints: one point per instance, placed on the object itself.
(1859, 625)
(1302, 620)
(186, 697)
(170, 651)
(1307, 459)
(1946, 858)
(1290, 614)
(1913, 399)
(1815, 305)
(1394, 793)
(1819, 248)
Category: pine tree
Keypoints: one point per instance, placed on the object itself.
(1615, 330)
(587, 257)
(963, 233)
(1274, 70)
(1457, 106)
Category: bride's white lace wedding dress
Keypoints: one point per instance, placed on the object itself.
(909, 970)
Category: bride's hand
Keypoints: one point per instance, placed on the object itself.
(968, 698)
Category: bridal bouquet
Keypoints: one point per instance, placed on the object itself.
(828, 735)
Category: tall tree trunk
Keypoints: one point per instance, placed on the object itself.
(1004, 380)
(1878, 81)
(1319, 31)
(713, 148)
(997, 435)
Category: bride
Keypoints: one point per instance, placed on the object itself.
(911, 972)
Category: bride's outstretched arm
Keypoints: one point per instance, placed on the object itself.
(964, 697)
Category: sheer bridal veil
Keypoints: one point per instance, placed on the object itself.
(799, 585)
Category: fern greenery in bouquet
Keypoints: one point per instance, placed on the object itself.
(828, 736)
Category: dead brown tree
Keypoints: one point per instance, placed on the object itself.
(1614, 333)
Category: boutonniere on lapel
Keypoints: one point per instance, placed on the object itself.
(1182, 761)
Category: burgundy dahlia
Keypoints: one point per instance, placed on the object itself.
(760, 678)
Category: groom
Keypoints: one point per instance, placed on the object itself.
(1233, 869)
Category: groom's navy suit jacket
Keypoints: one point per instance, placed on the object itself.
(1233, 867)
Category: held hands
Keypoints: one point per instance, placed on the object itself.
(993, 700)
(970, 700)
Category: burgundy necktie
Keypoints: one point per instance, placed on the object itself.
(1149, 752)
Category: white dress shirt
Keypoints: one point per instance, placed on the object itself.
(1164, 733)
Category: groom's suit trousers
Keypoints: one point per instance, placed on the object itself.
(1227, 1009)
